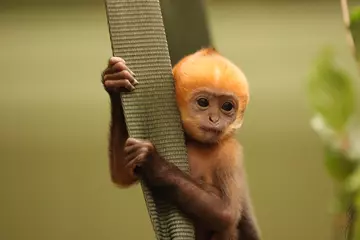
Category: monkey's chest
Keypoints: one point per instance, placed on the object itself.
(203, 165)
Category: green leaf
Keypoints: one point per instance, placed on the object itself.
(328, 136)
(337, 164)
(346, 199)
(343, 199)
(353, 182)
(353, 150)
(355, 15)
(355, 29)
(330, 92)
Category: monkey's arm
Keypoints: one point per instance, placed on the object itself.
(248, 228)
(118, 136)
(205, 207)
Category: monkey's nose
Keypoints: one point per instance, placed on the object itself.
(214, 119)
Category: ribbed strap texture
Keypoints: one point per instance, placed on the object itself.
(138, 35)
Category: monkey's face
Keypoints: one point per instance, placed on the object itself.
(212, 94)
(211, 115)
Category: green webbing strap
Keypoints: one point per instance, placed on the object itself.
(186, 27)
(137, 35)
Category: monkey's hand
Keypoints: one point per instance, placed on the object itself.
(137, 152)
(117, 77)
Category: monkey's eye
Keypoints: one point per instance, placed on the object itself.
(202, 102)
(227, 106)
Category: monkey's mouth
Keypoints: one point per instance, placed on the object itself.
(211, 130)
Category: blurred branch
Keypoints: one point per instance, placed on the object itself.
(350, 223)
(346, 19)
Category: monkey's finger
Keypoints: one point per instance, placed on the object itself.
(107, 71)
(130, 157)
(123, 83)
(121, 75)
(114, 60)
(132, 141)
(129, 149)
(120, 66)
(136, 154)
(137, 161)
(133, 148)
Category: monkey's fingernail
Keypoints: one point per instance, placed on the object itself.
(136, 82)
(132, 88)
(132, 73)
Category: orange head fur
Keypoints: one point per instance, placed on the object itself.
(206, 68)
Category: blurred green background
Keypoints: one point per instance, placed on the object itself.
(54, 177)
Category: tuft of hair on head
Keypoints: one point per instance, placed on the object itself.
(206, 51)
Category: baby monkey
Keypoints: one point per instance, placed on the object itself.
(212, 94)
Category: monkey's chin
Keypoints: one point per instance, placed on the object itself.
(209, 137)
